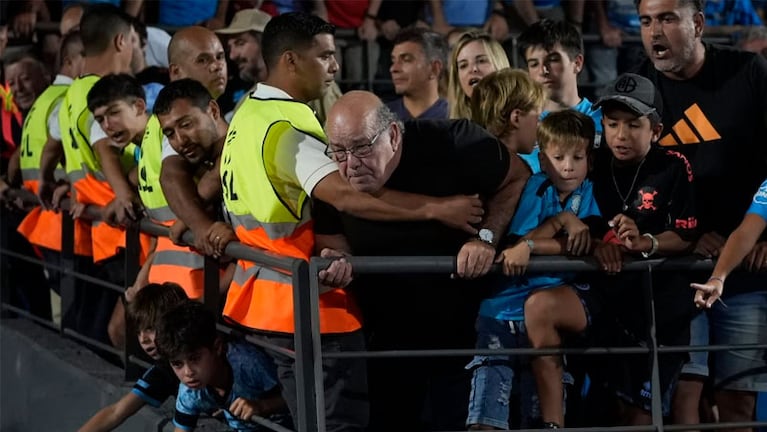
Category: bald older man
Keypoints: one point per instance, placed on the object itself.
(374, 150)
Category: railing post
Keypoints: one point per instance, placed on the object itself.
(5, 287)
(67, 281)
(132, 254)
(306, 389)
(655, 390)
(210, 283)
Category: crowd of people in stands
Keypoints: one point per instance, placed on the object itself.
(495, 131)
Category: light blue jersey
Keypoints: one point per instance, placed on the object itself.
(539, 201)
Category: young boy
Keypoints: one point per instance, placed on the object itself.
(159, 382)
(645, 194)
(538, 310)
(234, 376)
(553, 53)
(508, 104)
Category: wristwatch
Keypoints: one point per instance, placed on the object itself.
(486, 236)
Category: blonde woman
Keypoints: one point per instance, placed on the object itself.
(508, 104)
(475, 55)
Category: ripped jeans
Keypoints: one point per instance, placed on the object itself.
(496, 379)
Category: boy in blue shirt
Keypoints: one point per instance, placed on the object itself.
(553, 54)
(158, 382)
(233, 376)
(552, 219)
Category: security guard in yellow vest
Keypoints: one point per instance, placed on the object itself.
(108, 39)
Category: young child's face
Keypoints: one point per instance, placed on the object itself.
(553, 68)
(121, 121)
(628, 135)
(196, 369)
(565, 166)
(146, 340)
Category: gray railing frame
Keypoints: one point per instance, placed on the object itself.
(308, 353)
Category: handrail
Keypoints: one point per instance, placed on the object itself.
(308, 353)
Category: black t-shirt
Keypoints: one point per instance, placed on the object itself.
(157, 384)
(658, 194)
(439, 158)
(718, 119)
(660, 199)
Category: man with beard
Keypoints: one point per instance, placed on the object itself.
(715, 113)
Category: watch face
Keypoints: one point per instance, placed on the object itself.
(486, 235)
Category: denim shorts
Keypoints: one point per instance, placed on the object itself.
(496, 378)
(743, 321)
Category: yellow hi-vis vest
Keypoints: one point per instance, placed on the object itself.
(84, 169)
(171, 263)
(273, 216)
(43, 227)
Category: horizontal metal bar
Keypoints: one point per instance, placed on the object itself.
(50, 324)
(642, 428)
(256, 341)
(135, 360)
(63, 270)
(447, 264)
(716, 426)
(93, 342)
(269, 424)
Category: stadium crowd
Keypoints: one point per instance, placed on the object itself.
(491, 131)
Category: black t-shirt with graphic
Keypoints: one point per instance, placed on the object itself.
(657, 195)
(718, 119)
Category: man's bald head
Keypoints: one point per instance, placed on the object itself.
(196, 52)
(364, 139)
(354, 112)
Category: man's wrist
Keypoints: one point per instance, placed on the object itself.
(652, 245)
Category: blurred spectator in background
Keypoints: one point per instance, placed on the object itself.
(486, 14)
(754, 40)
(357, 58)
(612, 20)
(418, 63)
(393, 16)
(475, 55)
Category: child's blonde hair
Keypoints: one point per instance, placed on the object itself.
(566, 129)
(457, 100)
(500, 93)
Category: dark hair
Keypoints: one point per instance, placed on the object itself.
(547, 33)
(185, 329)
(73, 40)
(114, 87)
(697, 5)
(568, 128)
(291, 31)
(433, 44)
(186, 88)
(100, 24)
(152, 302)
(140, 28)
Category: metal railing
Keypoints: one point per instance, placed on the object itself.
(308, 354)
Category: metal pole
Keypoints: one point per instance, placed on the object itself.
(210, 283)
(132, 371)
(314, 309)
(655, 388)
(305, 385)
(67, 282)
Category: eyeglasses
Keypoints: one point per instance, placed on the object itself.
(360, 151)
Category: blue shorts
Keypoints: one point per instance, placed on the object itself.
(496, 378)
(742, 322)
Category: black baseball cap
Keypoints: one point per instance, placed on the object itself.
(636, 93)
